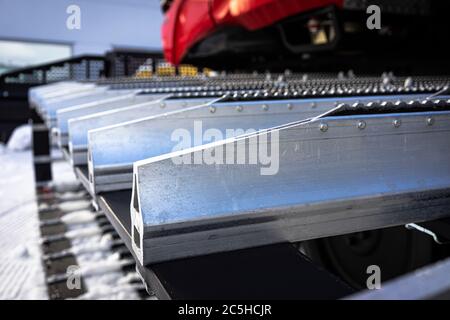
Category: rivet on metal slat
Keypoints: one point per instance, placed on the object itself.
(397, 123)
(361, 125)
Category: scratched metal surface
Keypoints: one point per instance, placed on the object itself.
(35, 94)
(49, 106)
(119, 101)
(79, 127)
(316, 168)
(40, 94)
(118, 146)
(137, 137)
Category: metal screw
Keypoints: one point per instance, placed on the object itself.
(290, 106)
(239, 108)
(162, 105)
(265, 107)
(361, 125)
(396, 123)
(430, 121)
(212, 109)
(323, 127)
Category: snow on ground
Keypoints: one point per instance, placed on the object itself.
(21, 273)
(20, 139)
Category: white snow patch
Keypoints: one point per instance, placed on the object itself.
(20, 139)
(79, 217)
(72, 206)
(87, 232)
(64, 178)
(122, 292)
(71, 195)
(21, 273)
(100, 244)
(104, 277)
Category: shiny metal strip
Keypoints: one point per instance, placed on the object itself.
(347, 178)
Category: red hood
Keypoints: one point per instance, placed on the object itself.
(189, 21)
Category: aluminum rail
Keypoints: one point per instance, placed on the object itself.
(102, 97)
(39, 92)
(112, 150)
(115, 102)
(48, 107)
(335, 175)
(52, 91)
(78, 127)
(45, 104)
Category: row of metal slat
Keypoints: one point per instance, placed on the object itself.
(333, 155)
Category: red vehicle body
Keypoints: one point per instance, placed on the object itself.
(189, 21)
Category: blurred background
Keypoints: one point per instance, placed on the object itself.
(35, 32)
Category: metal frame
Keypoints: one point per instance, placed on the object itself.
(335, 176)
(79, 127)
(143, 138)
(305, 219)
(116, 101)
(112, 150)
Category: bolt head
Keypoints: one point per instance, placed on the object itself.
(290, 106)
(212, 109)
(239, 108)
(430, 121)
(323, 127)
(397, 123)
(361, 125)
(265, 107)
